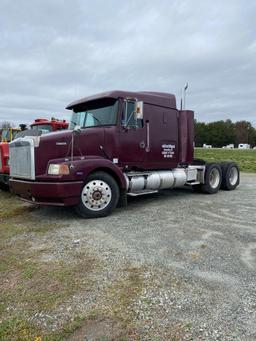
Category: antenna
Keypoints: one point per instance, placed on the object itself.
(183, 97)
(184, 93)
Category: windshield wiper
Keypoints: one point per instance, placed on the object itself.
(94, 117)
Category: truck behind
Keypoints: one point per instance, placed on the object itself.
(38, 127)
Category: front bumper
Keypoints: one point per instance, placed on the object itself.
(47, 193)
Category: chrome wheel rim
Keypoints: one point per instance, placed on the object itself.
(96, 195)
(233, 176)
(214, 178)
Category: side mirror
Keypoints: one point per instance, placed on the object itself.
(133, 115)
(138, 114)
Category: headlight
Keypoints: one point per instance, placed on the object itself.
(58, 169)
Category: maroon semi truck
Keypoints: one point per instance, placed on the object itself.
(118, 144)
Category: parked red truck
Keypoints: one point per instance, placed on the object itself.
(41, 125)
(47, 126)
(7, 135)
(119, 144)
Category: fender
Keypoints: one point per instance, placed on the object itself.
(88, 166)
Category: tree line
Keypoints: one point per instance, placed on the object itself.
(222, 133)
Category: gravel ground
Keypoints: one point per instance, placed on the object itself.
(193, 257)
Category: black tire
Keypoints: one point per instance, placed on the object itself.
(212, 178)
(99, 196)
(230, 176)
(4, 187)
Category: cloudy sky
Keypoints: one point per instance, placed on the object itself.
(54, 51)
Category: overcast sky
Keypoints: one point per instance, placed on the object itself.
(54, 51)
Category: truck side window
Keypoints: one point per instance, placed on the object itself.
(128, 118)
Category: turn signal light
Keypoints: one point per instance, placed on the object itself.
(58, 169)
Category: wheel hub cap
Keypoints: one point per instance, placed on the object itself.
(214, 178)
(96, 195)
(233, 176)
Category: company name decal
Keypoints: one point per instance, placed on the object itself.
(168, 150)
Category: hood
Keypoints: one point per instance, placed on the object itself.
(54, 145)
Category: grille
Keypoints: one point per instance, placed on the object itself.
(22, 161)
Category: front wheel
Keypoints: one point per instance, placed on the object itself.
(99, 196)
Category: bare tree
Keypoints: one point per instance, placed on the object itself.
(6, 124)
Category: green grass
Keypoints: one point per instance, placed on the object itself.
(246, 159)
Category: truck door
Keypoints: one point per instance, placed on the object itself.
(132, 137)
(162, 127)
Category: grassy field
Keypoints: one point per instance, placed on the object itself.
(246, 159)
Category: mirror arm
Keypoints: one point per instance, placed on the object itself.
(126, 123)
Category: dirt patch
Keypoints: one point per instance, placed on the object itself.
(9, 281)
(98, 329)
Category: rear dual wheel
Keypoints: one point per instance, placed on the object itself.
(212, 178)
(99, 196)
(225, 176)
(231, 176)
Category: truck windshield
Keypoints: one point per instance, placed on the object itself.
(9, 134)
(14, 133)
(6, 135)
(44, 128)
(97, 113)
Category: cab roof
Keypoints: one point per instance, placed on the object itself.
(156, 98)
